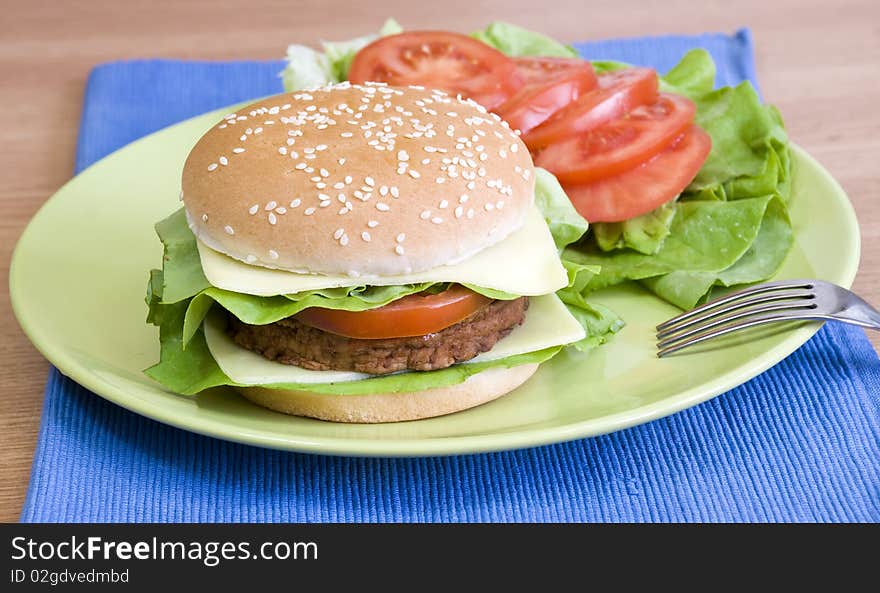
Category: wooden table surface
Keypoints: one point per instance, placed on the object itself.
(818, 61)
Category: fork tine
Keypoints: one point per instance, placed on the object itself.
(770, 300)
(734, 296)
(715, 321)
(746, 323)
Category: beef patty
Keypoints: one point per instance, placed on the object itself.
(291, 342)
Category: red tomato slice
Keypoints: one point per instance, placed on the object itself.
(620, 144)
(549, 85)
(617, 93)
(414, 315)
(438, 59)
(646, 187)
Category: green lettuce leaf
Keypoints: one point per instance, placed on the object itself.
(566, 225)
(645, 233)
(516, 41)
(182, 275)
(188, 370)
(693, 76)
(307, 67)
(707, 242)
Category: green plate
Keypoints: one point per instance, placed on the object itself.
(80, 269)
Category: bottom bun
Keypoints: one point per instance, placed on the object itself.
(393, 407)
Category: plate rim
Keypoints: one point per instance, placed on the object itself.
(435, 446)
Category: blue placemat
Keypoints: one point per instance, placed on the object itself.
(799, 443)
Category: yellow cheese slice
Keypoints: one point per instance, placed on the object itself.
(548, 323)
(525, 263)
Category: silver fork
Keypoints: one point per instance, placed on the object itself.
(785, 300)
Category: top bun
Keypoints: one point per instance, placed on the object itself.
(358, 180)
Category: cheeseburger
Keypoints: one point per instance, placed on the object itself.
(360, 254)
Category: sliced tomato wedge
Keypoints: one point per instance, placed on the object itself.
(617, 93)
(413, 315)
(438, 59)
(549, 84)
(647, 186)
(620, 144)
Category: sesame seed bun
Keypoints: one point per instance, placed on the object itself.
(357, 180)
(394, 407)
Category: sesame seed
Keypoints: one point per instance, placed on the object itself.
(366, 236)
(398, 249)
(273, 254)
(401, 237)
(342, 198)
(295, 203)
(470, 213)
(339, 232)
(309, 211)
(443, 204)
(402, 155)
(369, 181)
(344, 240)
(459, 210)
(383, 191)
(324, 204)
(204, 218)
(253, 209)
(499, 204)
(373, 223)
(258, 130)
(341, 161)
(462, 198)
(272, 218)
(291, 141)
(426, 161)
(320, 185)
(242, 137)
(502, 153)
(281, 210)
(346, 134)
(323, 197)
(348, 179)
(324, 172)
(414, 174)
(301, 166)
(282, 150)
(228, 230)
(471, 185)
(436, 220)
(271, 205)
(425, 215)
(514, 147)
(212, 166)
(321, 147)
(489, 206)
(440, 180)
(382, 207)
(238, 150)
(395, 193)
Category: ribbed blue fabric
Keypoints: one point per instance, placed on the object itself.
(799, 443)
